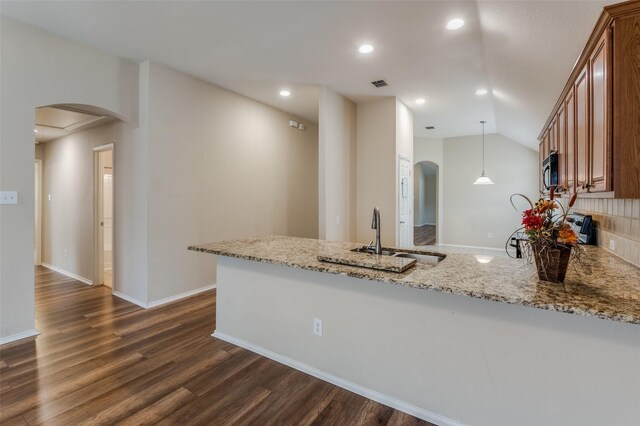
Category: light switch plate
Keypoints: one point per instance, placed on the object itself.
(8, 197)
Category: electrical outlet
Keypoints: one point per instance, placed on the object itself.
(66, 252)
(8, 197)
(612, 244)
(317, 327)
(337, 220)
(49, 197)
(490, 235)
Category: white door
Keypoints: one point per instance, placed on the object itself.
(404, 202)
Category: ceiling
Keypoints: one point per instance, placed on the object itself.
(54, 122)
(521, 51)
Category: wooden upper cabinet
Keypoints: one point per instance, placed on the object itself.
(582, 130)
(541, 158)
(561, 145)
(626, 104)
(570, 157)
(600, 140)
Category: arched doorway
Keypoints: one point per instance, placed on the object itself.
(425, 203)
(75, 145)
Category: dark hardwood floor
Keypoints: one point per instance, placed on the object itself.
(102, 360)
(424, 235)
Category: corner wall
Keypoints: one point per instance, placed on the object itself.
(337, 167)
(376, 169)
(221, 166)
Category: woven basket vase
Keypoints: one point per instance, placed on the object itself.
(552, 262)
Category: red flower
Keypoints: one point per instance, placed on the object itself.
(531, 221)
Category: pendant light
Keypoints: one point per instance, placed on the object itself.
(483, 180)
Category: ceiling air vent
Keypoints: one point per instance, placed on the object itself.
(379, 83)
(430, 128)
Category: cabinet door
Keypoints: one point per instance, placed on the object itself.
(582, 130)
(541, 158)
(600, 142)
(569, 107)
(553, 135)
(561, 145)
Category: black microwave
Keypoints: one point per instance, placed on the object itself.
(550, 171)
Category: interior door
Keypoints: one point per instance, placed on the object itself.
(404, 202)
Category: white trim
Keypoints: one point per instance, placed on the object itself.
(342, 383)
(105, 147)
(67, 273)
(19, 336)
(130, 299)
(165, 300)
(472, 247)
(38, 213)
(180, 296)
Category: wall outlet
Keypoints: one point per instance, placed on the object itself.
(317, 327)
(337, 220)
(49, 197)
(66, 252)
(490, 235)
(612, 244)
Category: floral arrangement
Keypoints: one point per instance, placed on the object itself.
(541, 225)
(550, 239)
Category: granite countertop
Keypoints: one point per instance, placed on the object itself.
(602, 285)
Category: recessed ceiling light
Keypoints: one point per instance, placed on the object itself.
(285, 93)
(35, 130)
(420, 101)
(481, 92)
(365, 48)
(455, 24)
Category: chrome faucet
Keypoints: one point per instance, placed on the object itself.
(375, 224)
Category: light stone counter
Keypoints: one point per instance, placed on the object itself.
(602, 285)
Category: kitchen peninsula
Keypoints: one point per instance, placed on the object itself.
(412, 340)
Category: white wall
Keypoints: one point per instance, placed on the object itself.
(41, 69)
(432, 149)
(221, 166)
(337, 167)
(473, 211)
(376, 169)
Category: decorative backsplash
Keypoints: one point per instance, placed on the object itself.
(617, 224)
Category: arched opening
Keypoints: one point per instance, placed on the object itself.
(75, 192)
(425, 203)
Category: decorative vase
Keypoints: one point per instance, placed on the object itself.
(551, 261)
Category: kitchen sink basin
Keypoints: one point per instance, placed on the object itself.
(422, 257)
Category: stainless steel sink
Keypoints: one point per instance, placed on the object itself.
(432, 259)
(422, 258)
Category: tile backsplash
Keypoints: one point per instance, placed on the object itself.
(617, 224)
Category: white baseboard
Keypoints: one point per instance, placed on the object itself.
(165, 300)
(342, 383)
(67, 273)
(19, 336)
(130, 299)
(180, 296)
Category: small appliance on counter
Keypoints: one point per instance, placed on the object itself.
(582, 225)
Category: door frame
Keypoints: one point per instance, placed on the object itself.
(402, 158)
(98, 185)
(38, 212)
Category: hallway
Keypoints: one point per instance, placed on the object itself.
(424, 235)
(102, 360)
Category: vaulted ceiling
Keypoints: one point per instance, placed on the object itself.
(520, 51)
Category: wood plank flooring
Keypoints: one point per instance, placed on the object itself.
(424, 235)
(101, 360)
